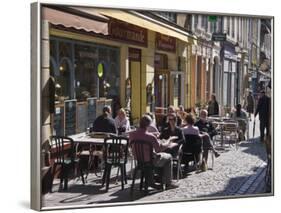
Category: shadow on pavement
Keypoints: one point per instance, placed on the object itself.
(254, 147)
(236, 187)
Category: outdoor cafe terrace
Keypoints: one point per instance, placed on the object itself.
(96, 174)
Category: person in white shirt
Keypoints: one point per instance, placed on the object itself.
(122, 122)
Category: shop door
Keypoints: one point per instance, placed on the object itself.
(135, 75)
(161, 79)
(177, 87)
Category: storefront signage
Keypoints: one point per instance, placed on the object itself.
(92, 102)
(127, 32)
(70, 117)
(134, 54)
(212, 18)
(165, 43)
(86, 54)
(100, 70)
(219, 37)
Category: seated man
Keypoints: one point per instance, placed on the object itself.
(207, 131)
(161, 159)
(105, 123)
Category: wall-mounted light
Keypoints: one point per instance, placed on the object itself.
(160, 77)
(61, 68)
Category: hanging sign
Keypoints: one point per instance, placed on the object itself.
(100, 70)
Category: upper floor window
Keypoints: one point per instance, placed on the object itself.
(196, 21)
(228, 25)
(168, 16)
(233, 27)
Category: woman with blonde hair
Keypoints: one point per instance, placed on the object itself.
(122, 121)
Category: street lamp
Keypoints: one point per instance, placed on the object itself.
(238, 52)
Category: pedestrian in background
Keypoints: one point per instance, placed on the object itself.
(250, 104)
(213, 106)
(263, 109)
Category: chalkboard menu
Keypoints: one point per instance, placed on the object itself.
(70, 117)
(92, 105)
(100, 105)
(108, 102)
(82, 117)
(59, 120)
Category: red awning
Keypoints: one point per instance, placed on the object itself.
(57, 17)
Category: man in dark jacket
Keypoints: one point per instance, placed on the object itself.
(263, 109)
(104, 123)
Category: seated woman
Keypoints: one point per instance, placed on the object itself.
(165, 122)
(239, 113)
(190, 129)
(122, 122)
(172, 130)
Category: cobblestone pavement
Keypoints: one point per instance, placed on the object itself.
(236, 172)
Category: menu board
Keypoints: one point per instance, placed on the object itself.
(108, 102)
(100, 105)
(70, 117)
(92, 105)
(58, 120)
(82, 117)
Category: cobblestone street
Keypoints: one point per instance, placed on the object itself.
(236, 172)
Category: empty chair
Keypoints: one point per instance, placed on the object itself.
(230, 132)
(65, 157)
(115, 154)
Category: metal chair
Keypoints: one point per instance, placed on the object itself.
(192, 149)
(145, 166)
(243, 127)
(177, 159)
(115, 154)
(230, 132)
(65, 156)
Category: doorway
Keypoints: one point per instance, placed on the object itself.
(161, 79)
(177, 87)
(135, 81)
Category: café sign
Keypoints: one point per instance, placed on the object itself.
(127, 32)
(165, 43)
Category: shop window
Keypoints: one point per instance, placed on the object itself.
(86, 59)
(74, 68)
(63, 80)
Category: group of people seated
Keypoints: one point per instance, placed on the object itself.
(174, 125)
(105, 123)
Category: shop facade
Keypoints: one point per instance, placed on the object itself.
(201, 74)
(128, 66)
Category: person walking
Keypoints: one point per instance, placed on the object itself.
(250, 104)
(263, 109)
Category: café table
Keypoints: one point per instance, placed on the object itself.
(95, 142)
(220, 124)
